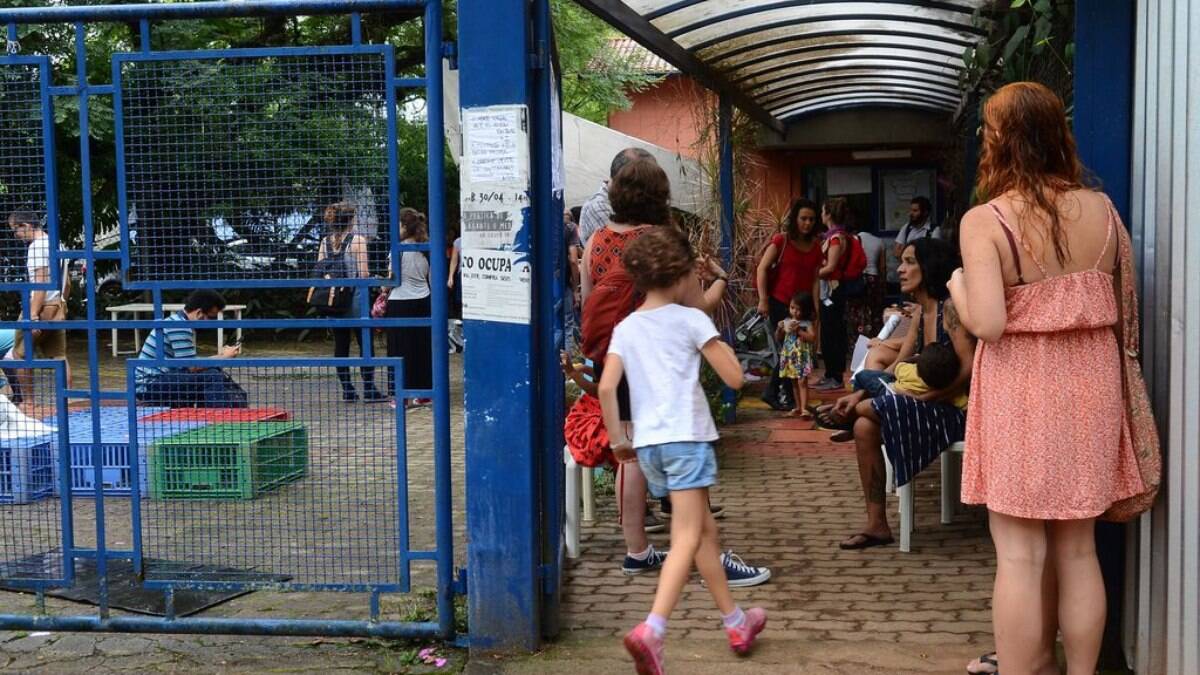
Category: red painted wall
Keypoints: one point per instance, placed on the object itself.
(665, 114)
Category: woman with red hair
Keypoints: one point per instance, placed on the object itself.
(1045, 449)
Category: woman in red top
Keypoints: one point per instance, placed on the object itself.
(789, 265)
(640, 197)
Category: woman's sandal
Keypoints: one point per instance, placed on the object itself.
(828, 422)
(988, 662)
(868, 541)
(842, 436)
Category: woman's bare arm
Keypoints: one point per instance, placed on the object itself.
(762, 276)
(964, 346)
(978, 288)
(832, 257)
(585, 276)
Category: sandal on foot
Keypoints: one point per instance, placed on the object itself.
(828, 422)
(988, 662)
(868, 541)
(842, 436)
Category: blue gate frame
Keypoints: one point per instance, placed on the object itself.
(144, 14)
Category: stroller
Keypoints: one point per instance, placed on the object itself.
(754, 344)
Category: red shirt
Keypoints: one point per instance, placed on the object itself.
(795, 270)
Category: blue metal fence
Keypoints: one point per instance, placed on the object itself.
(315, 497)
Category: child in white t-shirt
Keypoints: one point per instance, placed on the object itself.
(658, 350)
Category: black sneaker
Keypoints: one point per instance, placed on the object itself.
(349, 395)
(654, 523)
(374, 396)
(632, 566)
(741, 575)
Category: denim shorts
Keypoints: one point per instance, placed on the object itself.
(669, 467)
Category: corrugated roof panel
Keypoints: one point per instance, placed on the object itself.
(793, 57)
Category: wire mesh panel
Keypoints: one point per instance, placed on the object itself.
(229, 164)
(23, 151)
(318, 498)
(31, 526)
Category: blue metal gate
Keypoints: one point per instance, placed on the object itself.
(305, 492)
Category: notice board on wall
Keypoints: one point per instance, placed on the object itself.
(897, 188)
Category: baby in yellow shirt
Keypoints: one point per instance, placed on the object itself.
(936, 367)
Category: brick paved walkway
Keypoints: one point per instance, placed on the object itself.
(791, 496)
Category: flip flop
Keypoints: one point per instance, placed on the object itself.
(987, 660)
(826, 421)
(868, 541)
(842, 436)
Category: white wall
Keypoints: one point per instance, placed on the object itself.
(1166, 229)
(588, 149)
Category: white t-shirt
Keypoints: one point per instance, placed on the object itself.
(872, 245)
(660, 353)
(414, 277)
(39, 257)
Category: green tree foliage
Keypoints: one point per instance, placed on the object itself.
(1030, 40)
(595, 80)
(285, 108)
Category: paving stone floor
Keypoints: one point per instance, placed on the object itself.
(791, 495)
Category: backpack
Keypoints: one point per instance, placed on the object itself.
(854, 260)
(332, 300)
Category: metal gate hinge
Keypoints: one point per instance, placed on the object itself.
(450, 53)
(537, 60)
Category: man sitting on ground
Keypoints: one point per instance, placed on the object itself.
(176, 387)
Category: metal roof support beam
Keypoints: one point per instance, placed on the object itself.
(621, 17)
(725, 174)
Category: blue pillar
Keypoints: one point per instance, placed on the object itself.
(1104, 35)
(1104, 41)
(725, 143)
(502, 462)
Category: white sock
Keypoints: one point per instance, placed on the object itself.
(643, 555)
(735, 618)
(658, 624)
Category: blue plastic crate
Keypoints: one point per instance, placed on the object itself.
(114, 450)
(26, 469)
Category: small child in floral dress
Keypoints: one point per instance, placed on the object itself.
(796, 356)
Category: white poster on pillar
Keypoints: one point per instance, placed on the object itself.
(497, 285)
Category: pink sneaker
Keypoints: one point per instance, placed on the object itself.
(646, 649)
(742, 638)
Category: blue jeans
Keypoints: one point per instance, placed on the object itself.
(873, 381)
(208, 388)
(671, 467)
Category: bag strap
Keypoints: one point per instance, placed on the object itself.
(1126, 290)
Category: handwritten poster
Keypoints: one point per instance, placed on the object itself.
(497, 286)
(494, 200)
(491, 218)
(496, 145)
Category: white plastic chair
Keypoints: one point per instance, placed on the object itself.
(951, 461)
(571, 496)
(578, 487)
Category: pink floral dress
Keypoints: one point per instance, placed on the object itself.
(1043, 436)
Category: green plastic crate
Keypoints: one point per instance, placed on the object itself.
(239, 460)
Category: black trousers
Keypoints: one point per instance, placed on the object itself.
(341, 349)
(414, 345)
(833, 337)
(779, 390)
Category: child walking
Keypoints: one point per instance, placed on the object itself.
(658, 350)
(797, 355)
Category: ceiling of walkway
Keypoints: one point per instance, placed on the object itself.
(782, 59)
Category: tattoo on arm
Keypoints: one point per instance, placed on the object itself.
(950, 317)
